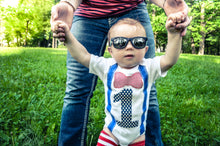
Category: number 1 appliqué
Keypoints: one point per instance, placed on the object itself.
(126, 108)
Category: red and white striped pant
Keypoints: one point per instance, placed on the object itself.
(106, 140)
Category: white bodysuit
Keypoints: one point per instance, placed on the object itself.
(126, 95)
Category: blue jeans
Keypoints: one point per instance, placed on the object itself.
(92, 33)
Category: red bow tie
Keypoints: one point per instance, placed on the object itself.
(120, 80)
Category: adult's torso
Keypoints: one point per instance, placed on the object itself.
(105, 8)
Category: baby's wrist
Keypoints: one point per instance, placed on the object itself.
(174, 30)
(173, 33)
(174, 37)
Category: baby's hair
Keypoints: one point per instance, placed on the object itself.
(128, 21)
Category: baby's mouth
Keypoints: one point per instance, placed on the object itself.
(129, 56)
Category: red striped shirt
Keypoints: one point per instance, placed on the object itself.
(105, 8)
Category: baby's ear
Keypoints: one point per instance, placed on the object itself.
(110, 50)
(146, 49)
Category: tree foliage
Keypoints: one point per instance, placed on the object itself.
(28, 24)
(207, 28)
(209, 24)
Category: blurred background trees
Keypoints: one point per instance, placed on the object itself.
(203, 33)
(28, 24)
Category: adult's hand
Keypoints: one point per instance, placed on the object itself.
(176, 6)
(61, 12)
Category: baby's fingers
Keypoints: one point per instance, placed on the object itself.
(64, 26)
(57, 26)
(180, 18)
(171, 27)
(170, 24)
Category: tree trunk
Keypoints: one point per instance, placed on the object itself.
(54, 43)
(25, 43)
(155, 33)
(193, 46)
(202, 41)
(218, 47)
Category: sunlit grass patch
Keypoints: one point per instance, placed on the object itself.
(32, 86)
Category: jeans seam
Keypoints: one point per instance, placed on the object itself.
(90, 95)
(86, 111)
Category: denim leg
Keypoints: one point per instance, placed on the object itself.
(80, 83)
(153, 131)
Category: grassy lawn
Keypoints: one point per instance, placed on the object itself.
(32, 85)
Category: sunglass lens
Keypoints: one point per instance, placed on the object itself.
(120, 43)
(139, 43)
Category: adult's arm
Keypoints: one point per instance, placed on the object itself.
(175, 6)
(158, 2)
(76, 49)
(64, 11)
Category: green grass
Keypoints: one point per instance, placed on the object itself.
(189, 101)
(32, 85)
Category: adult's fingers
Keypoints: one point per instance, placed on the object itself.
(57, 30)
(185, 23)
(60, 36)
(183, 33)
(184, 26)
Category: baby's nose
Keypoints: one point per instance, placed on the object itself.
(129, 45)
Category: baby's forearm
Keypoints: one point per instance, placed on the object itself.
(172, 52)
(77, 50)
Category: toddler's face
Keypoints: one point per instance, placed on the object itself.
(129, 56)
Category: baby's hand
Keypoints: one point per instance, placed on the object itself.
(172, 20)
(59, 29)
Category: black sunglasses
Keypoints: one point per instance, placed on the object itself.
(122, 42)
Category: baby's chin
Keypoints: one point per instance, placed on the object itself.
(128, 66)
